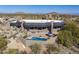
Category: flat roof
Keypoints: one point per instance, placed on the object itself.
(41, 21)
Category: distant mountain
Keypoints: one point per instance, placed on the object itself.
(19, 13)
(73, 14)
(53, 13)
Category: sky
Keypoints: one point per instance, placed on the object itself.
(39, 8)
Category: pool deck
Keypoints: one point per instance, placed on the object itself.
(40, 33)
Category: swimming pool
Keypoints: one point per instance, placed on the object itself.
(39, 38)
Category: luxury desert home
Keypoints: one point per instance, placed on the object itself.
(39, 24)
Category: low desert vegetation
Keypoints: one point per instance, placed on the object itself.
(35, 48)
(3, 43)
(12, 51)
(65, 38)
(51, 48)
(69, 36)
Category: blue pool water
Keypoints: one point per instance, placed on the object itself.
(38, 38)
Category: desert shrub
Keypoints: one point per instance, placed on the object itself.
(3, 42)
(69, 35)
(12, 51)
(51, 48)
(73, 28)
(65, 38)
(35, 48)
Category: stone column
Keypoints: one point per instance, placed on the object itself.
(22, 27)
(52, 27)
